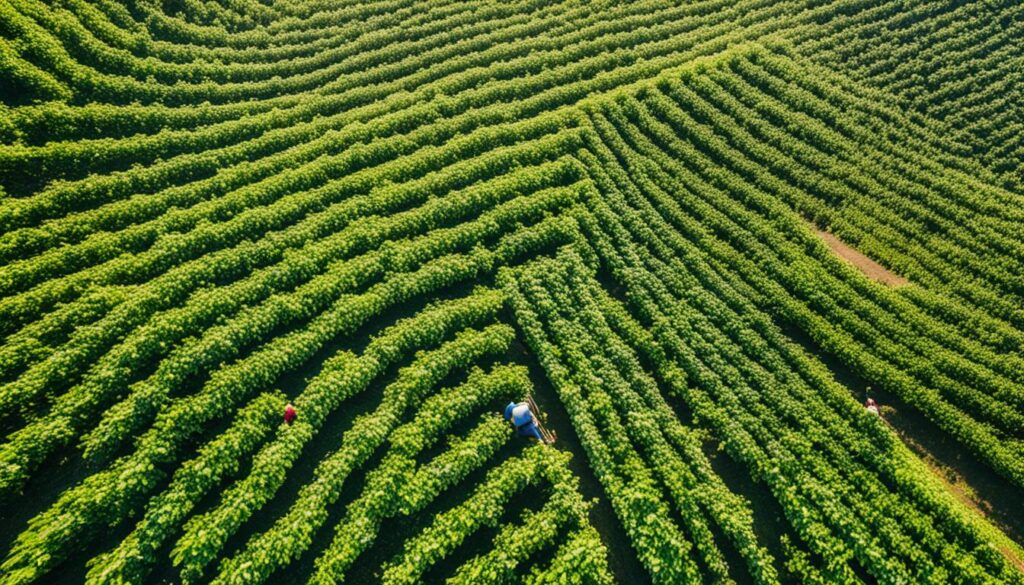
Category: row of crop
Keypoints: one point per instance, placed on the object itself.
(580, 560)
(949, 517)
(361, 100)
(616, 404)
(148, 179)
(859, 41)
(28, 447)
(944, 69)
(674, 451)
(399, 486)
(909, 186)
(700, 8)
(824, 96)
(649, 9)
(89, 83)
(111, 88)
(101, 21)
(808, 521)
(176, 285)
(823, 208)
(740, 368)
(893, 193)
(631, 488)
(355, 97)
(869, 18)
(943, 62)
(163, 331)
(342, 40)
(235, 15)
(679, 320)
(393, 479)
(895, 54)
(879, 317)
(298, 29)
(38, 339)
(75, 33)
(547, 91)
(556, 52)
(266, 206)
(51, 121)
(692, 349)
(111, 24)
(974, 58)
(957, 371)
(254, 324)
(513, 544)
(931, 139)
(647, 235)
(454, 74)
(982, 379)
(205, 534)
(109, 495)
(603, 83)
(220, 457)
(228, 192)
(56, 159)
(849, 115)
(664, 237)
(765, 234)
(583, 34)
(25, 79)
(340, 378)
(979, 331)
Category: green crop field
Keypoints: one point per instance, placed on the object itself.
(700, 235)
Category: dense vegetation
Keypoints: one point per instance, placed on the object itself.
(399, 216)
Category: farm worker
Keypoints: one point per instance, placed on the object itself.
(290, 414)
(522, 419)
(871, 406)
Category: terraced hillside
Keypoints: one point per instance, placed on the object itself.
(399, 216)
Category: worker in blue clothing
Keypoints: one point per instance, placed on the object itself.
(523, 420)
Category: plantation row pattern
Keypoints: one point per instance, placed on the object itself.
(374, 210)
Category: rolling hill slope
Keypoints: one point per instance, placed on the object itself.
(400, 216)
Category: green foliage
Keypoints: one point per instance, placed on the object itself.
(385, 207)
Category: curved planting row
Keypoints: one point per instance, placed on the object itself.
(400, 216)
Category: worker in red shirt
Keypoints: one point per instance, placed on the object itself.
(871, 406)
(290, 414)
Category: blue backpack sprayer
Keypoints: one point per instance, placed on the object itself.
(527, 425)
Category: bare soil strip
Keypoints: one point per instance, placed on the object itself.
(956, 478)
(869, 267)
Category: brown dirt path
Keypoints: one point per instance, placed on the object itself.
(869, 267)
(967, 479)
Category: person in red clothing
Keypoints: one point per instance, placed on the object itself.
(290, 414)
(871, 406)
